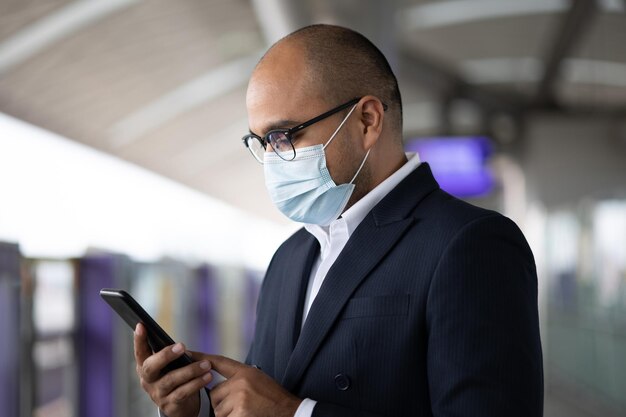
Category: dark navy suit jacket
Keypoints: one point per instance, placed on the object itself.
(430, 310)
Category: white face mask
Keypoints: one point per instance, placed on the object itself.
(302, 189)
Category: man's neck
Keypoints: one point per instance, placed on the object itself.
(376, 178)
(392, 163)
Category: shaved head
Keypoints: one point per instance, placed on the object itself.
(316, 69)
(339, 64)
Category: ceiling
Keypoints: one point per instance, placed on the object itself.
(162, 83)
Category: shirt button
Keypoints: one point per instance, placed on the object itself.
(342, 382)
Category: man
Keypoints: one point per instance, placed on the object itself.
(395, 299)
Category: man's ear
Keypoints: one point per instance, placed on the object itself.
(372, 114)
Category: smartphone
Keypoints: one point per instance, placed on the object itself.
(132, 313)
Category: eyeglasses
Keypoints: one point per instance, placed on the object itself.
(281, 140)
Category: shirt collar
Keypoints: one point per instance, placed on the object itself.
(355, 214)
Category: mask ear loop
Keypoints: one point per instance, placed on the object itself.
(342, 122)
(362, 163)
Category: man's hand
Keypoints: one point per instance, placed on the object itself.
(175, 393)
(247, 391)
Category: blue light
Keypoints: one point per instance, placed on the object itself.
(458, 163)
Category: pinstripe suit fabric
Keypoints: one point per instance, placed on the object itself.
(430, 310)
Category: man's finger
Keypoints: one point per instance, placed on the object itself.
(192, 387)
(178, 377)
(152, 366)
(219, 392)
(142, 349)
(222, 408)
(222, 365)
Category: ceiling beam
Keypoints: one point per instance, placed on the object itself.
(445, 13)
(574, 25)
(375, 19)
(192, 94)
(54, 27)
(441, 79)
(278, 18)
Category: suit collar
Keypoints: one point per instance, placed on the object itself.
(401, 201)
(355, 214)
(375, 236)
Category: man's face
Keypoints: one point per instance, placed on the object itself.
(280, 96)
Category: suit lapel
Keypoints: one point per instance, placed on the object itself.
(368, 245)
(291, 303)
(342, 279)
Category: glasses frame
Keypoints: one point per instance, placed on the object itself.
(289, 132)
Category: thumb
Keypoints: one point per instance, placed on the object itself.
(222, 365)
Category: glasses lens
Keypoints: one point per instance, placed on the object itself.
(281, 145)
(256, 148)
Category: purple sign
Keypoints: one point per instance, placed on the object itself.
(458, 163)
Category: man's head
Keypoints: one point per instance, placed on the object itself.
(316, 69)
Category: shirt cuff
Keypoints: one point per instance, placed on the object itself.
(205, 406)
(306, 408)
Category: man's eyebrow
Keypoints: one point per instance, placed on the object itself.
(279, 124)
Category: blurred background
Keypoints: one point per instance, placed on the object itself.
(121, 165)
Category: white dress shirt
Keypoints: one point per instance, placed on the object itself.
(333, 239)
